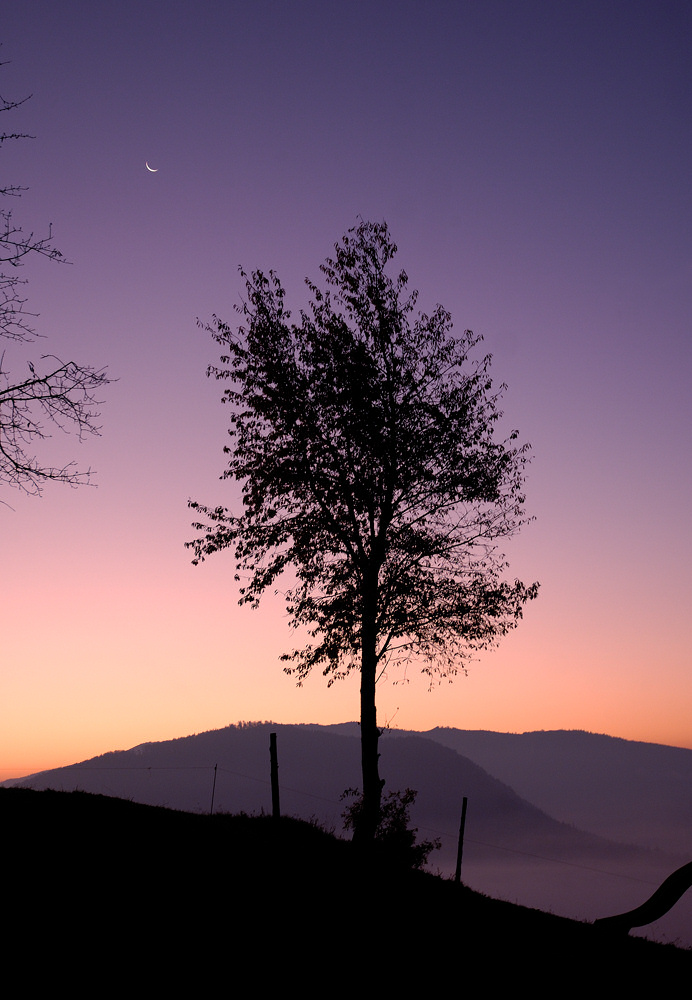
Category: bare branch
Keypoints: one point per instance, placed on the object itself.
(62, 394)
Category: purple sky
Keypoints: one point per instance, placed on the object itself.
(533, 162)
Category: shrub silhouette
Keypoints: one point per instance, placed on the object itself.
(395, 837)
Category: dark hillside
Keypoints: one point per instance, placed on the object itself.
(99, 890)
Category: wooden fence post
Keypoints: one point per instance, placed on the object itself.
(213, 790)
(460, 848)
(276, 811)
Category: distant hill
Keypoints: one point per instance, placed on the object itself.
(315, 767)
(623, 790)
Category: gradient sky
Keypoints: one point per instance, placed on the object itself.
(532, 160)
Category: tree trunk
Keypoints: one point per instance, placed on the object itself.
(366, 826)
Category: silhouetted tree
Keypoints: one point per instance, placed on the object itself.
(52, 392)
(364, 439)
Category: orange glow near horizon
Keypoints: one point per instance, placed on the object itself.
(138, 692)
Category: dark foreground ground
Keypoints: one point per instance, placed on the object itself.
(102, 894)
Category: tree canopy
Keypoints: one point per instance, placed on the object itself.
(364, 436)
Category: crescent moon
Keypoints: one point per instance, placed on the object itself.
(151, 168)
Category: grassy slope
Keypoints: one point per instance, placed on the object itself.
(115, 890)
